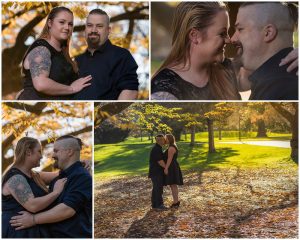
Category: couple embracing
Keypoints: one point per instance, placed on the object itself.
(164, 170)
(47, 204)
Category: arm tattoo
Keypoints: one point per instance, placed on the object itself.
(20, 187)
(163, 96)
(39, 60)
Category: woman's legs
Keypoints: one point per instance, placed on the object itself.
(174, 190)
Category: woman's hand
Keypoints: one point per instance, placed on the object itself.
(291, 59)
(166, 171)
(87, 164)
(59, 185)
(22, 221)
(81, 83)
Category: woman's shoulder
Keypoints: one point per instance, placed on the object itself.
(14, 174)
(42, 43)
(166, 81)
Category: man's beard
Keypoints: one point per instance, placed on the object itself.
(55, 164)
(93, 42)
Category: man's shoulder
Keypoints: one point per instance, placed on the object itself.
(120, 50)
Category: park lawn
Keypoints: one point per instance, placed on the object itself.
(130, 158)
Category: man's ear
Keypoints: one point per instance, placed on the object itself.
(270, 32)
(194, 36)
(28, 152)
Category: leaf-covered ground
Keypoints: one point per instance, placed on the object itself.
(232, 203)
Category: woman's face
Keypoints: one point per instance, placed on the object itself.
(61, 26)
(215, 38)
(35, 156)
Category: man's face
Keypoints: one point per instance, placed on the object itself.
(96, 30)
(248, 38)
(60, 155)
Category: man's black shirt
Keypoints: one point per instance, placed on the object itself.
(271, 82)
(112, 68)
(77, 194)
(156, 155)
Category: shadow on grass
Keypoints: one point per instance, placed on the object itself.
(133, 159)
(144, 228)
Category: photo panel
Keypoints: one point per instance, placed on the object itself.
(75, 50)
(210, 51)
(47, 170)
(196, 170)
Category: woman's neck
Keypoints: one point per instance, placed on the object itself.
(54, 43)
(197, 75)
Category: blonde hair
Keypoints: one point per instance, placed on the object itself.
(198, 15)
(171, 139)
(23, 145)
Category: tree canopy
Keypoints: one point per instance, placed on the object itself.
(45, 121)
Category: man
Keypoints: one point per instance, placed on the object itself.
(113, 68)
(263, 39)
(71, 213)
(156, 173)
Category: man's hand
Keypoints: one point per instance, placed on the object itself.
(22, 221)
(291, 59)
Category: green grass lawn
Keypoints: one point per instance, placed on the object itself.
(131, 157)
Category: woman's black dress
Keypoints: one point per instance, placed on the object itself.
(169, 81)
(174, 173)
(61, 71)
(10, 208)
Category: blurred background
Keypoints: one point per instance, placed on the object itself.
(23, 21)
(161, 21)
(45, 121)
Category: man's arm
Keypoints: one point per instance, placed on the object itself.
(128, 95)
(56, 214)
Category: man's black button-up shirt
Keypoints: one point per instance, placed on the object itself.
(113, 69)
(156, 155)
(77, 194)
(271, 82)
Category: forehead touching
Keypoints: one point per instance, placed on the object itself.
(97, 19)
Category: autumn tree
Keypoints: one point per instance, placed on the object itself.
(289, 111)
(44, 121)
(22, 23)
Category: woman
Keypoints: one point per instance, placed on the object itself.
(195, 68)
(48, 70)
(23, 189)
(172, 170)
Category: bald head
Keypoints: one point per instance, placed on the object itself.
(69, 143)
(264, 13)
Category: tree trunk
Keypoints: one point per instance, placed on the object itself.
(193, 130)
(261, 128)
(141, 135)
(211, 141)
(294, 140)
(220, 133)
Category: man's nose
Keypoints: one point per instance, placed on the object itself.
(234, 38)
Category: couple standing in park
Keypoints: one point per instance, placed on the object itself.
(103, 72)
(164, 170)
(47, 204)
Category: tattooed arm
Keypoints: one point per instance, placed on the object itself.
(19, 188)
(128, 95)
(39, 62)
(163, 96)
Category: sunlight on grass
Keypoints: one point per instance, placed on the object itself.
(132, 156)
